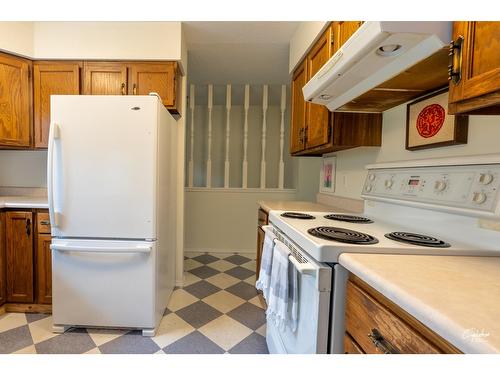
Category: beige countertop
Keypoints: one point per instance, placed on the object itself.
(456, 297)
(297, 206)
(23, 202)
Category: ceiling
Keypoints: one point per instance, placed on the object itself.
(238, 52)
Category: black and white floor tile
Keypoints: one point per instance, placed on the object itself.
(217, 311)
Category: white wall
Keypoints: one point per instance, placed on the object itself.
(108, 40)
(484, 133)
(23, 168)
(17, 37)
(302, 39)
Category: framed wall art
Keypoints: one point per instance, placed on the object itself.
(428, 123)
(327, 175)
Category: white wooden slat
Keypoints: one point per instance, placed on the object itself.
(244, 183)
(191, 156)
(228, 131)
(281, 171)
(264, 130)
(209, 137)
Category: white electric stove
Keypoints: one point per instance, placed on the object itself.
(448, 206)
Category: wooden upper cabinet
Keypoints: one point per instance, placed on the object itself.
(317, 116)
(19, 254)
(160, 78)
(478, 63)
(15, 99)
(51, 78)
(342, 30)
(105, 78)
(298, 120)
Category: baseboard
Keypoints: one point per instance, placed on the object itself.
(248, 252)
(28, 308)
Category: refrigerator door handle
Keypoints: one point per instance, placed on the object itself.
(142, 249)
(53, 135)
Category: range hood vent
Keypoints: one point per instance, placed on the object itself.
(381, 65)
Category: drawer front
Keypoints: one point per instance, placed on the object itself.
(262, 218)
(43, 223)
(365, 316)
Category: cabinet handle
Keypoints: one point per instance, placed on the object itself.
(134, 89)
(381, 343)
(28, 227)
(123, 89)
(44, 222)
(455, 60)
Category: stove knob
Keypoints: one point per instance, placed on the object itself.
(485, 178)
(371, 177)
(440, 185)
(368, 188)
(479, 198)
(388, 183)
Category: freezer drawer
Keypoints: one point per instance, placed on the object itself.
(104, 283)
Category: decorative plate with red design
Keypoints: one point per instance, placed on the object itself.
(430, 120)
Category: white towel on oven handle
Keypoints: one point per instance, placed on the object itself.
(277, 304)
(293, 297)
(266, 262)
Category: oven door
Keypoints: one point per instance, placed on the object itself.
(311, 336)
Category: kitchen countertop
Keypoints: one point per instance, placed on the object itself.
(456, 297)
(297, 206)
(23, 202)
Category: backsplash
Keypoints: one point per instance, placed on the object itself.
(23, 168)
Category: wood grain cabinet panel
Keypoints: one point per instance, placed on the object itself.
(262, 219)
(478, 62)
(44, 269)
(105, 78)
(51, 78)
(342, 31)
(299, 105)
(317, 116)
(19, 249)
(3, 261)
(149, 77)
(15, 99)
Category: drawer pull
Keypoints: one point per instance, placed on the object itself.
(44, 222)
(381, 343)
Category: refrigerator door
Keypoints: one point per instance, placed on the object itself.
(104, 283)
(102, 166)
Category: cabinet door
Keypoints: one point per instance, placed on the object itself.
(44, 269)
(154, 77)
(350, 346)
(15, 94)
(298, 121)
(342, 30)
(3, 261)
(260, 246)
(317, 116)
(51, 78)
(104, 78)
(480, 70)
(19, 233)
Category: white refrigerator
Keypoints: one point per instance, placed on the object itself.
(112, 163)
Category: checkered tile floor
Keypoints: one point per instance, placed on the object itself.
(217, 311)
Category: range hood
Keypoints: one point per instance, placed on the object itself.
(362, 76)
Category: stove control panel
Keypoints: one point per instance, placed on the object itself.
(471, 187)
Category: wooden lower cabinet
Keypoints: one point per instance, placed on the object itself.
(43, 269)
(25, 261)
(375, 325)
(263, 219)
(19, 254)
(3, 261)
